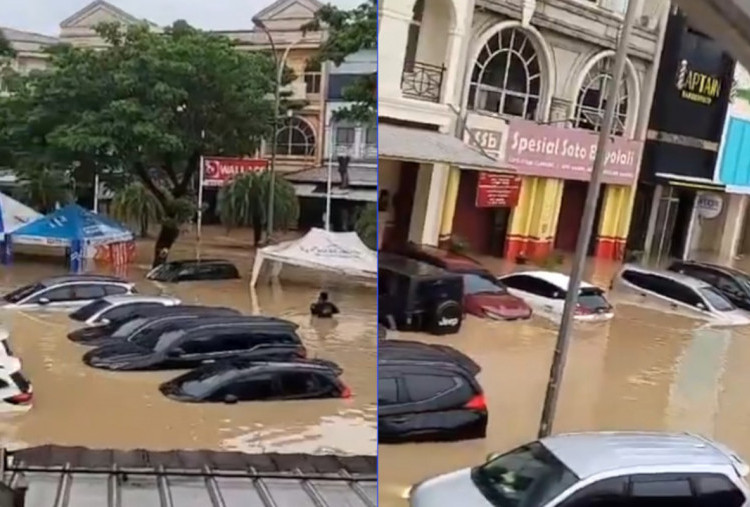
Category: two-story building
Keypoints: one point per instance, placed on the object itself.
(349, 154)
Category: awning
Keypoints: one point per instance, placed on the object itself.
(424, 146)
(677, 180)
(350, 194)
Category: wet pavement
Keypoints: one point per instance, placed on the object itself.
(641, 371)
(78, 405)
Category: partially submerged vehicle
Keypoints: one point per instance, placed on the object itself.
(113, 308)
(194, 270)
(65, 292)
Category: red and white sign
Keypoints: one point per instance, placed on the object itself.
(218, 171)
(497, 190)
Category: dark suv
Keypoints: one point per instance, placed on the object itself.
(734, 284)
(428, 394)
(418, 296)
(194, 270)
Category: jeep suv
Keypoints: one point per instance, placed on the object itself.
(418, 296)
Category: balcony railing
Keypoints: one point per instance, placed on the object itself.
(422, 81)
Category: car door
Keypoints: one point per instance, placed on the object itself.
(85, 293)
(683, 299)
(523, 286)
(716, 489)
(250, 387)
(732, 290)
(430, 405)
(300, 385)
(393, 408)
(50, 299)
(661, 490)
(611, 492)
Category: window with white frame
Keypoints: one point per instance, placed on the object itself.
(313, 78)
(592, 98)
(507, 75)
(296, 137)
(371, 136)
(345, 136)
(619, 6)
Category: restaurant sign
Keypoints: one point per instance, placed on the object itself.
(567, 153)
(495, 190)
(218, 171)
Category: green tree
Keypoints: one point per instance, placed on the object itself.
(367, 226)
(242, 203)
(350, 31)
(6, 49)
(43, 189)
(146, 108)
(135, 205)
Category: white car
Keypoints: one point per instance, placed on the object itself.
(16, 392)
(65, 292)
(545, 292)
(677, 293)
(110, 308)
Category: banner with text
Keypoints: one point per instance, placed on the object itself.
(218, 171)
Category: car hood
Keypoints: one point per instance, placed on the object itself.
(454, 488)
(86, 334)
(501, 303)
(120, 356)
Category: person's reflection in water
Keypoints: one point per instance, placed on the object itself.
(323, 308)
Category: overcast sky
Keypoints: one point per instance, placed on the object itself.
(44, 16)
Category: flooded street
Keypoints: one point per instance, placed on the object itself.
(643, 370)
(78, 405)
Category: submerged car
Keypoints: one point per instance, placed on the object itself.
(733, 283)
(597, 469)
(194, 270)
(190, 346)
(242, 380)
(428, 394)
(112, 308)
(486, 296)
(121, 328)
(545, 292)
(66, 292)
(677, 293)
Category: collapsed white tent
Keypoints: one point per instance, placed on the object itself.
(14, 215)
(338, 252)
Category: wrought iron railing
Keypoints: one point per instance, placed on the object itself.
(422, 81)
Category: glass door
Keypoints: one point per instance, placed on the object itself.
(666, 217)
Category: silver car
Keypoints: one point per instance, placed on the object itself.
(597, 469)
(65, 292)
(103, 310)
(677, 293)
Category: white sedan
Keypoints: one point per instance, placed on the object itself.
(545, 292)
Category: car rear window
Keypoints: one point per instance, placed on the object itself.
(716, 299)
(593, 299)
(89, 310)
(475, 284)
(425, 387)
(527, 476)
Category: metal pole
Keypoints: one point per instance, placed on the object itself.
(199, 225)
(587, 223)
(96, 193)
(329, 182)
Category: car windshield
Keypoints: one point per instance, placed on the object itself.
(90, 310)
(22, 293)
(128, 327)
(475, 284)
(593, 299)
(525, 477)
(744, 281)
(716, 299)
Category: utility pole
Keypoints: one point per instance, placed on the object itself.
(587, 223)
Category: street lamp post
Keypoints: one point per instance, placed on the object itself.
(280, 64)
(587, 223)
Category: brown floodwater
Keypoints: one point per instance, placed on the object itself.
(642, 371)
(78, 405)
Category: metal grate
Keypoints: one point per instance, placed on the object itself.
(49, 484)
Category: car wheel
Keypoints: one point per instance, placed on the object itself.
(446, 318)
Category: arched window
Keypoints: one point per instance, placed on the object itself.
(592, 98)
(507, 76)
(296, 137)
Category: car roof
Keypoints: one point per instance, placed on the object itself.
(191, 262)
(452, 259)
(716, 267)
(411, 267)
(588, 454)
(57, 280)
(672, 275)
(243, 365)
(161, 310)
(136, 298)
(559, 280)
(241, 321)
(418, 352)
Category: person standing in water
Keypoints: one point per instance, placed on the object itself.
(323, 308)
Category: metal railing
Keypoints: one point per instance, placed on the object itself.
(422, 81)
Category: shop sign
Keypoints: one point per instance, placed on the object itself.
(218, 171)
(709, 205)
(488, 140)
(697, 86)
(567, 153)
(496, 190)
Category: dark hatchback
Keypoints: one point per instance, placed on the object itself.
(199, 342)
(194, 270)
(120, 328)
(427, 394)
(242, 380)
(733, 283)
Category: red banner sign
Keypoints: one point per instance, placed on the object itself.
(218, 171)
(497, 190)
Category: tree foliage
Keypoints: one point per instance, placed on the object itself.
(367, 226)
(6, 49)
(243, 202)
(350, 31)
(43, 189)
(145, 109)
(135, 205)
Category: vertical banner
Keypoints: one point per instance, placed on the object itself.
(76, 256)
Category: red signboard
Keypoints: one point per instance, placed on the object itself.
(218, 171)
(497, 190)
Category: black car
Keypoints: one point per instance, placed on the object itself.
(120, 328)
(242, 380)
(428, 394)
(734, 284)
(194, 270)
(192, 344)
(417, 296)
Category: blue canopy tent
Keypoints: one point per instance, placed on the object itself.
(72, 227)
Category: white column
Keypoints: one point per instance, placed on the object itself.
(455, 67)
(424, 227)
(734, 223)
(392, 37)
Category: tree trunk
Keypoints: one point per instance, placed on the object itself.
(167, 237)
(144, 227)
(257, 229)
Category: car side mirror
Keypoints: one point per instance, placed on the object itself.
(230, 399)
(43, 301)
(104, 322)
(493, 456)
